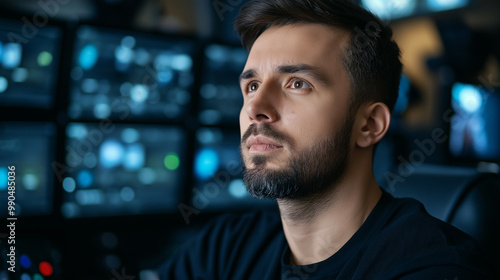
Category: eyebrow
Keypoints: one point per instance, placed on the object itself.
(309, 70)
(249, 74)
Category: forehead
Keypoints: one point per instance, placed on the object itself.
(313, 44)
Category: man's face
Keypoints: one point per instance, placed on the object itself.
(295, 121)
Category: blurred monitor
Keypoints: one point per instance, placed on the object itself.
(403, 96)
(444, 5)
(218, 172)
(391, 9)
(122, 169)
(395, 9)
(475, 127)
(130, 76)
(29, 59)
(220, 94)
(30, 148)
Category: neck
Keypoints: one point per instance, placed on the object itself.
(317, 228)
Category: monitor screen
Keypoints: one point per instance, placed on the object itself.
(130, 76)
(220, 94)
(475, 131)
(119, 169)
(395, 9)
(444, 5)
(29, 147)
(391, 9)
(403, 96)
(29, 61)
(218, 172)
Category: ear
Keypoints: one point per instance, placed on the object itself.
(373, 122)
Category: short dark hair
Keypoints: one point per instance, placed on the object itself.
(371, 58)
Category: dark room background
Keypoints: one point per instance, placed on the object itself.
(121, 120)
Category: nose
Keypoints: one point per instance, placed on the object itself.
(262, 106)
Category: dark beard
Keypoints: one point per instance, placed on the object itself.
(312, 171)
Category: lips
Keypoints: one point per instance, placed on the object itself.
(262, 144)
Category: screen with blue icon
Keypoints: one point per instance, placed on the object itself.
(118, 169)
(474, 130)
(218, 172)
(396, 9)
(29, 64)
(220, 94)
(29, 148)
(130, 76)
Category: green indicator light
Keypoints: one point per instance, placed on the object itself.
(44, 59)
(172, 162)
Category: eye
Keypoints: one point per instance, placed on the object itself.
(253, 86)
(299, 84)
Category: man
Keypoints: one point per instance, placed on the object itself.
(321, 79)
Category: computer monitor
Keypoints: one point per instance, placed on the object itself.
(388, 10)
(126, 75)
(218, 172)
(403, 96)
(29, 64)
(475, 131)
(396, 9)
(29, 148)
(445, 5)
(118, 169)
(220, 94)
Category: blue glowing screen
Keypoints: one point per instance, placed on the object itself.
(218, 172)
(29, 147)
(119, 169)
(389, 10)
(403, 96)
(443, 5)
(130, 76)
(475, 131)
(220, 94)
(28, 65)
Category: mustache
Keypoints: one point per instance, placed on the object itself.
(265, 130)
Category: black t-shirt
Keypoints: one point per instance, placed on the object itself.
(398, 240)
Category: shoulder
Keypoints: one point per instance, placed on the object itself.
(225, 241)
(418, 242)
(408, 220)
(230, 227)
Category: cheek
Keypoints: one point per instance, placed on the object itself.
(308, 123)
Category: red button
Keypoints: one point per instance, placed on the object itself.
(45, 268)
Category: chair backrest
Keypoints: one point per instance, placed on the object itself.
(462, 197)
